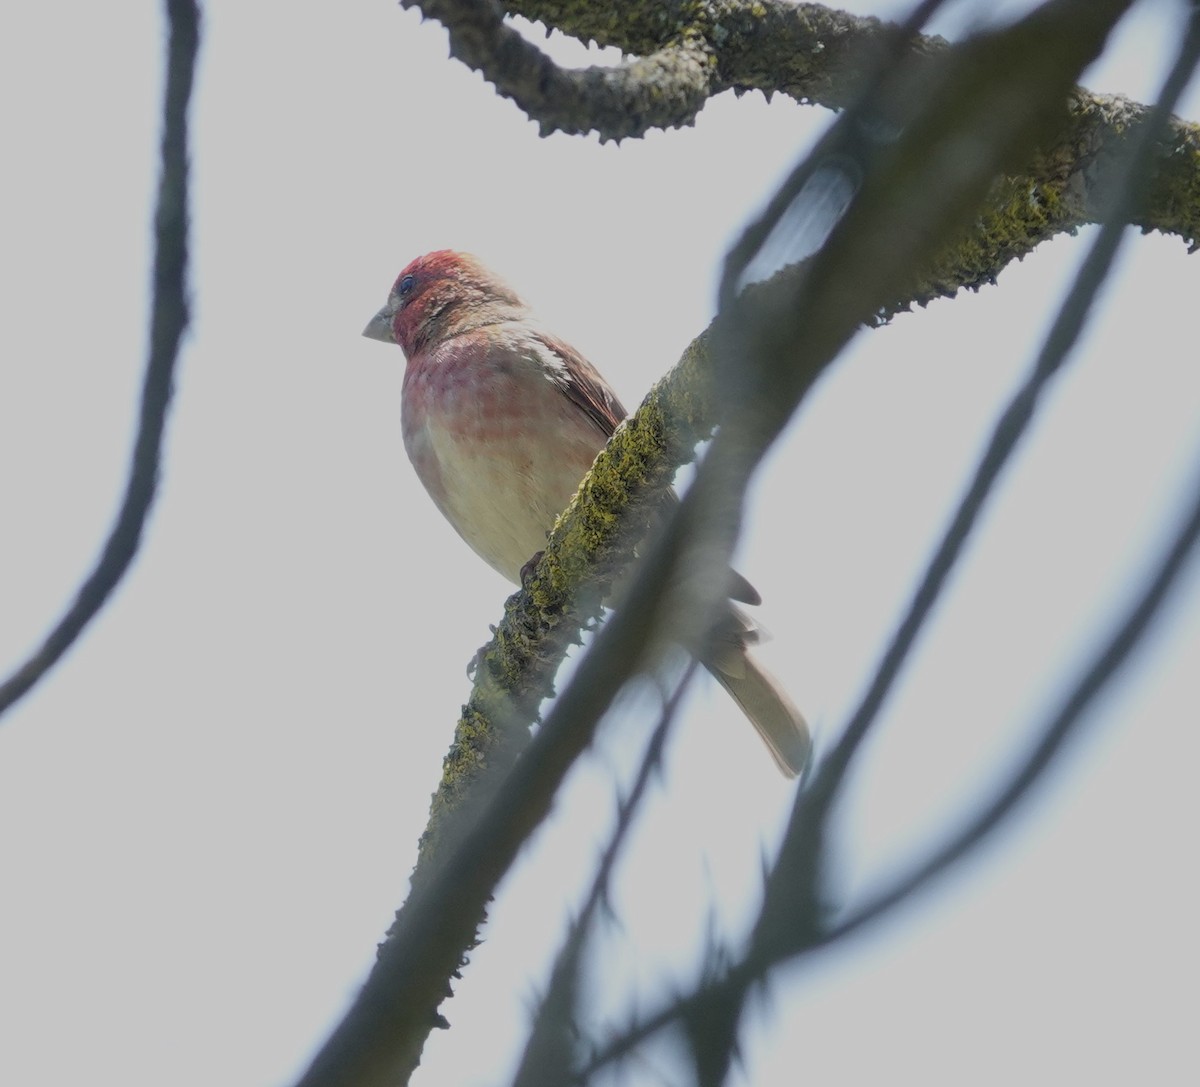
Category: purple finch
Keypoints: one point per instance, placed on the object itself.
(502, 421)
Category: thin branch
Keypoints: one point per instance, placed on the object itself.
(1061, 338)
(547, 1058)
(168, 322)
(1065, 722)
(1054, 735)
(664, 88)
(1011, 427)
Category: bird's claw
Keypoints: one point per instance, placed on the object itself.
(474, 663)
(528, 569)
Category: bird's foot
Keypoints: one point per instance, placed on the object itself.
(528, 569)
(480, 655)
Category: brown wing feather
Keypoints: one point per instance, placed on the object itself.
(582, 382)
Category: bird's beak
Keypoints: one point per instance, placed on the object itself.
(379, 327)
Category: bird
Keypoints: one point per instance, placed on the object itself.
(501, 420)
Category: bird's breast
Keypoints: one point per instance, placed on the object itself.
(496, 442)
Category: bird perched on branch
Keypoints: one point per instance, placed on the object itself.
(502, 421)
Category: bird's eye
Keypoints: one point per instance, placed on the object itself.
(404, 286)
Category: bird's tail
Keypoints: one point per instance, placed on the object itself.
(767, 706)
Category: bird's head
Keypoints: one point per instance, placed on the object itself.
(440, 295)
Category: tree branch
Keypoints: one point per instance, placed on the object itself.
(685, 53)
(659, 90)
(549, 1051)
(168, 320)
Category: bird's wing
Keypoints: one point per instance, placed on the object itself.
(582, 382)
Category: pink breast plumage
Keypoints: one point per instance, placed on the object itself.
(495, 442)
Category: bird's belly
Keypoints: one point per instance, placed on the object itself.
(500, 471)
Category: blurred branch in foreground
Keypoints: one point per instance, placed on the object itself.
(796, 917)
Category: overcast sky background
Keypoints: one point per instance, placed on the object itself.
(209, 811)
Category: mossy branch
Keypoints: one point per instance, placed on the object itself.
(684, 52)
(594, 536)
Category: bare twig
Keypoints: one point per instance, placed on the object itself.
(168, 321)
(1011, 427)
(547, 1060)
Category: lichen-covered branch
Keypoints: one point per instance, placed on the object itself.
(809, 52)
(1067, 186)
(515, 672)
(686, 51)
(656, 90)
